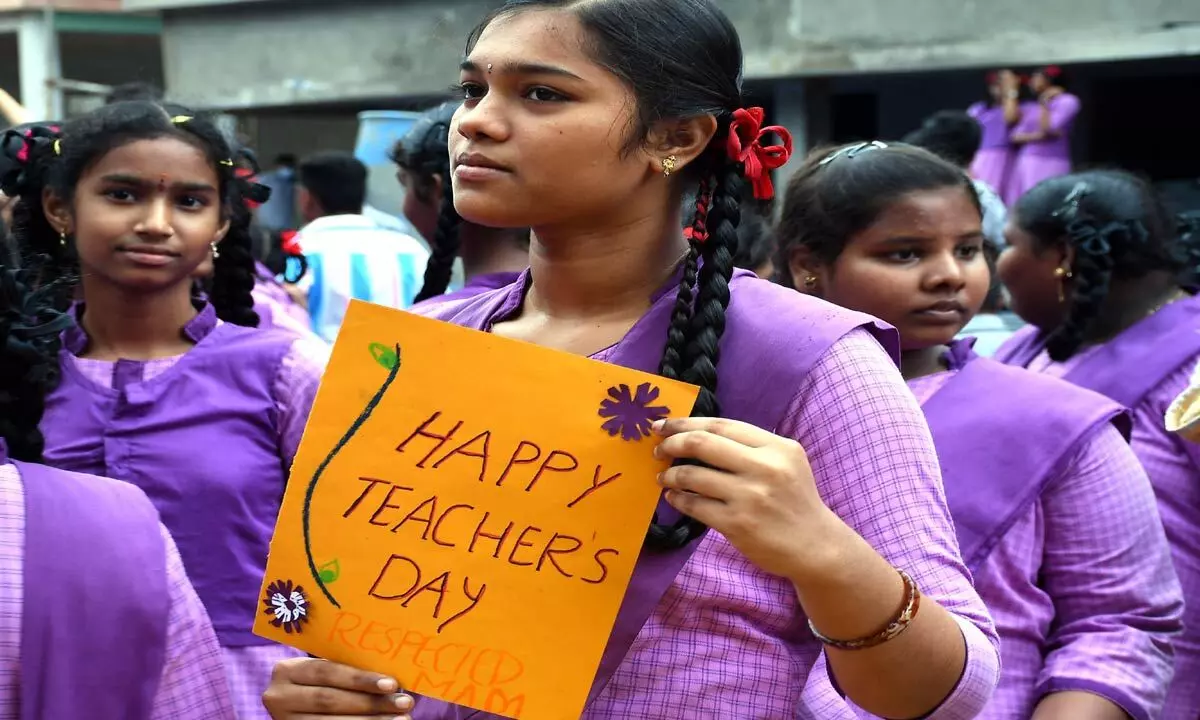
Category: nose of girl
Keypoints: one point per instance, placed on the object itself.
(481, 119)
(156, 220)
(945, 269)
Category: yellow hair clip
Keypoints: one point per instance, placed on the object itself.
(181, 119)
(227, 163)
(58, 147)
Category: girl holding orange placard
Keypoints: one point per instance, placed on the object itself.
(806, 456)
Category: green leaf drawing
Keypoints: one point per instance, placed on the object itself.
(306, 512)
(330, 571)
(384, 355)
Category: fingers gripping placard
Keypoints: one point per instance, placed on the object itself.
(465, 512)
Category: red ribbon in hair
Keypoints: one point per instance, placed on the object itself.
(287, 242)
(745, 145)
(247, 175)
(1052, 71)
(698, 231)
(23, 153)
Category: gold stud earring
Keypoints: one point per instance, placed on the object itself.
(668, 165)
(1063, 274)
(215, 252)
(810, 282)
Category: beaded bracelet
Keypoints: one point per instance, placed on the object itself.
(904, 618)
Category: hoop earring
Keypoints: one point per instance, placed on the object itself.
(215, 252)
(668, 165)
(1063, 274)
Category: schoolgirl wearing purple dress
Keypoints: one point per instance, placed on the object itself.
(95, 608)
(588, 122)
(1054, 515)
(179, 396)
(996, 116)
(1042, 136)
(1093, 265)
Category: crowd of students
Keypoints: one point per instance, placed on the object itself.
(865, 517)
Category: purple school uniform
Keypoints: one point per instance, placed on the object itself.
(1032, 526)
(275, 308)
(1042, 160)
(215, 407)
(78, 616)
(1145, 368)
(94, 614)
(476, 285)
(993, 161)
(700, 620)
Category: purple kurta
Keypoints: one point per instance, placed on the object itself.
(702, 631)
(994, 159)
(1063, 539)
(245, 391)
(1145, 368)
(476, 285)
(96, 613)
(1044, 159)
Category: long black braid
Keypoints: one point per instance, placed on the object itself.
(1119, 229)
(1091, 271)
(445, 248)
(425, 154)
(697, 327)
(31, 325)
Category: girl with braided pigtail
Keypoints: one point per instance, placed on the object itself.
(274, 303)
(1063, 539)
(492, 257)
(1097, 267)
(805, 492)
(133, 200)
(71, 540)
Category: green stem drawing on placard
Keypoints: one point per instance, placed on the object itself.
(385, 357)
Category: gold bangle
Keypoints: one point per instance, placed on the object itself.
(896, 626)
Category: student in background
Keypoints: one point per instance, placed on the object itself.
(492, 257)
(1063, 539)
(954, 137)
(1043, 134)
(181, 396)
(1094, 265)
(995, 116)
(349, 255)
(96, 610)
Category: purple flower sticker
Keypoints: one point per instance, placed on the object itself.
(288, 605)
(631, 414)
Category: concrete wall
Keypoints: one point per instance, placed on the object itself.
(170, 4)
(263, 53)
(88, 5)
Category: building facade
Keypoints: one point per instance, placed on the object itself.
(56, 56)
(829, 70)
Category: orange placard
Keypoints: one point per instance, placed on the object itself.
(465, 512)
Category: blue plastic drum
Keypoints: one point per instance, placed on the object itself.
(378, 131)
